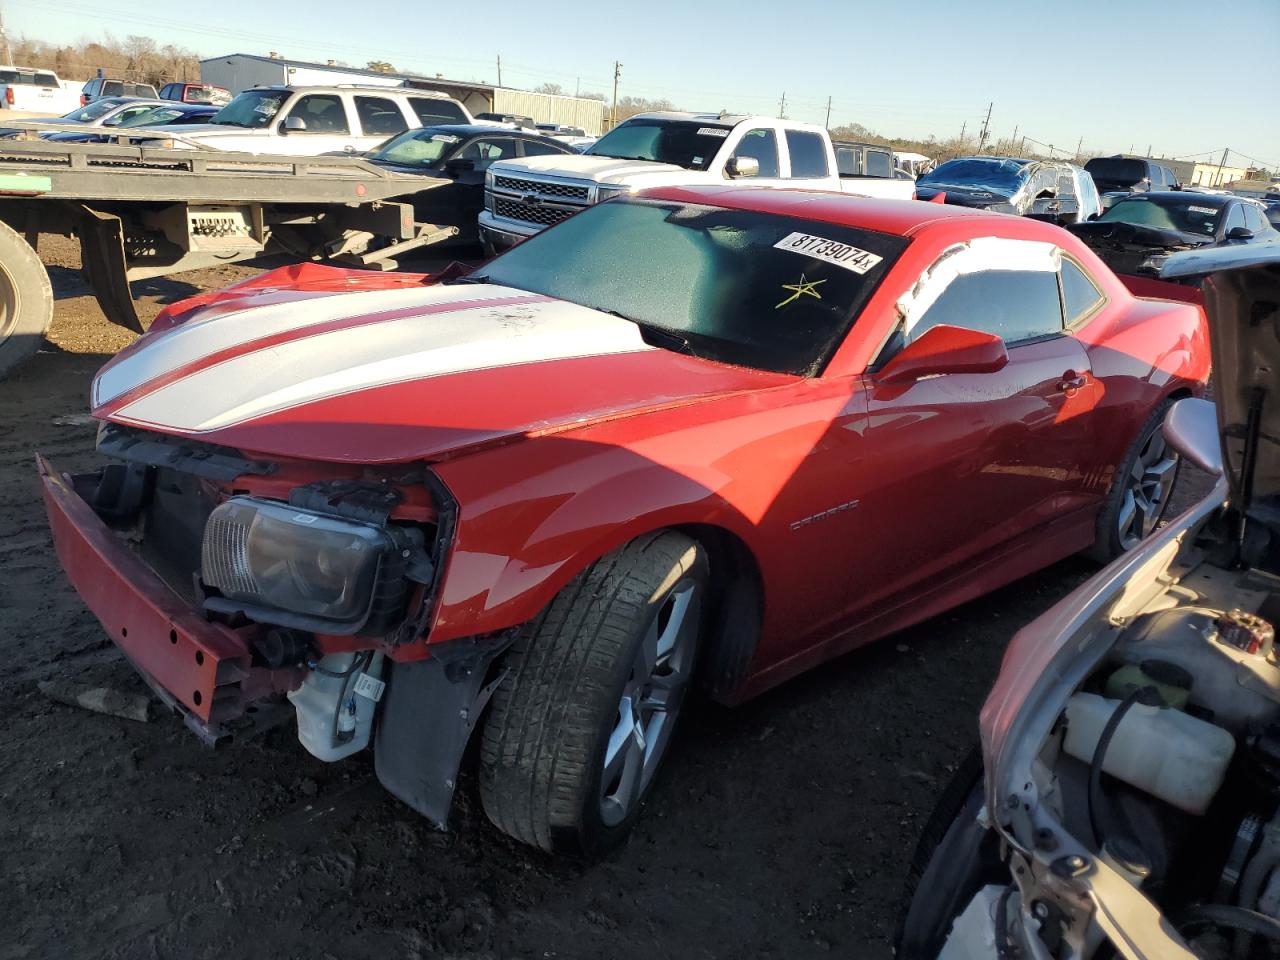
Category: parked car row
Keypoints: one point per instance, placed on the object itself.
(1046, 189)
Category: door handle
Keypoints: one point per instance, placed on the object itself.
(1072, 381)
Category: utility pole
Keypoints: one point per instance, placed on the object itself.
(1079, 146)
(982, 138)
(499, 69)
(577, 86)
(962, 128)
(1217, 177)
(1013, 142)
(828, 124)
(613, 112)
(782, 106)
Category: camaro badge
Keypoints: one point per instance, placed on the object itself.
(805, 288)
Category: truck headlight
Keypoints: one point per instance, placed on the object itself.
(488, 179)
(606, 192)
(264, 556)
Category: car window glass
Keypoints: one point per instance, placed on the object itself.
(128, 113)
(486, 151)
(46, 79)
(808, 155)
(322, 113)
(380, 117)
(1235, 218)
(1066, 184)
(1015, 305)
(112, 88)
(431, 111)
(1254, 218)
(1079, 294)
(536, 148)
(879, 163)
(849, 161)
(762, 145)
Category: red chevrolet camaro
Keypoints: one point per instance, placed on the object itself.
(718, 434)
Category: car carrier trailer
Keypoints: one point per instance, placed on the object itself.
(148, 211)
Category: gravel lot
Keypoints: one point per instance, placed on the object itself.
(779, 829)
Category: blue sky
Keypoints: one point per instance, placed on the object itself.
(1118, 74)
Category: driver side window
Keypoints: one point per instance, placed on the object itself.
(485, 152)
(763, 146)
(1015, 305)
(322, 113)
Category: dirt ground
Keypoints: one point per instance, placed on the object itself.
(780, 829)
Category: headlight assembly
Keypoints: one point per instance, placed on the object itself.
(294, 567)
(605, 192)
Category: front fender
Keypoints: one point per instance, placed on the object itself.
(517, 545)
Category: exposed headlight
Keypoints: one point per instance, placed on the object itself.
(488, 179)
(267, 558)
(605, 192)
(1153, 264)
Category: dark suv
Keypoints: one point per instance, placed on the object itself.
(101, 87)
(1117, 177)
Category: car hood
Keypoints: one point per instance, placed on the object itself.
(417, 372)
(1242, 300)
(588, 167)
(965, 195)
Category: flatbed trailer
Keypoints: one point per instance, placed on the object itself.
(148, 211)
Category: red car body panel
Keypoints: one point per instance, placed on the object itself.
(862, 505)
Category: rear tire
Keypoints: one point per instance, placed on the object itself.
(26, 301)
(584, 715)
(1140, 491)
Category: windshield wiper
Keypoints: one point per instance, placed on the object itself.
(663, 337)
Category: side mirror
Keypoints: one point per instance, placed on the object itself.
(945, 349)
(1191, 428)
(293, 125)
(460, 165)
(1239, 233)
(741, 167)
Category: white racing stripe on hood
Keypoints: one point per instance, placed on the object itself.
(205, 335)
(308, 369)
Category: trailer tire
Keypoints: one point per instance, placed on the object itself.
(26, 300)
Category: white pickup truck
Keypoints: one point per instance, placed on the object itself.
(35, 92)
(669, 149)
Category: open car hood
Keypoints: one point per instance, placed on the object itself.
(1242, 300)
(344, 366)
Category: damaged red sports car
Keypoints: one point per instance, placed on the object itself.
(705, 437)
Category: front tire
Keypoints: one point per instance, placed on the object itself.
(584, 715)
(1140, 491)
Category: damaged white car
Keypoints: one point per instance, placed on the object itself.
(1127, 798)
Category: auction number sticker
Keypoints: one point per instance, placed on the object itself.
(718, 132)
(831, 251)
(1195, 209)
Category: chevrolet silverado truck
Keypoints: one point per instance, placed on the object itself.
(668, 150)
(705, 436)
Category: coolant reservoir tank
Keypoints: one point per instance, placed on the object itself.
(1165, 752)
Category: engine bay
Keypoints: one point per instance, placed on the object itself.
(1166, 762)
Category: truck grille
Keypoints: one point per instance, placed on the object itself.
(530, 212)
(567, 190)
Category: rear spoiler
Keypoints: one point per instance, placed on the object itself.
(1152, 288)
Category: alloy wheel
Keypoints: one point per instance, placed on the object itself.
(651, 699)
(1147, 490)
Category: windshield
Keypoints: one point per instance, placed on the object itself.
(759, 290)
(94, 110)
(1165, 213)
(152, 118)
(1003, 175)
(1119, 172)
(253, 108)
(685, 143)
(417, 148)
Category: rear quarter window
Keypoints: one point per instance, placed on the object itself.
(430, 111)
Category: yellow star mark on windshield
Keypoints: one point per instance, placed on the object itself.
(805, 288)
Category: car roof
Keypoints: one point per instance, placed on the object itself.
(901, 217)
(475, 129)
